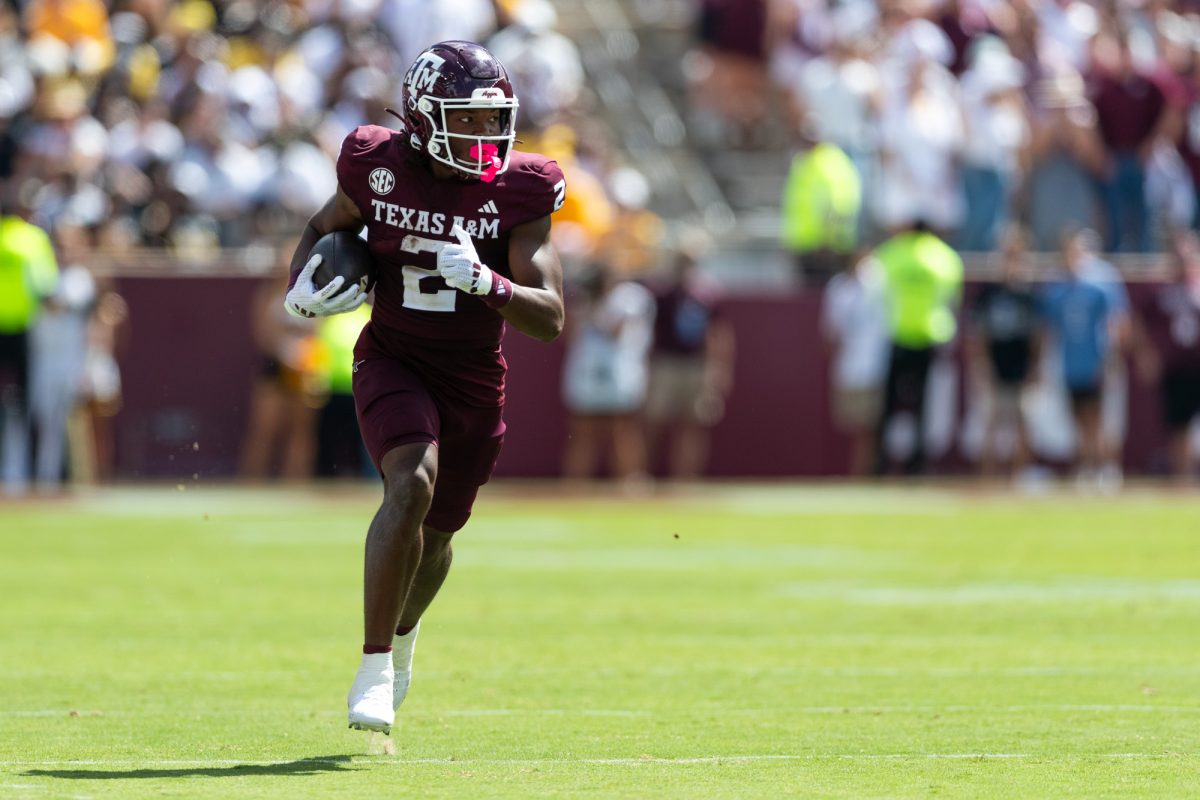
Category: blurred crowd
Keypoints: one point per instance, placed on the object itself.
(204, 124)
(61, 333)
(966, 114)
(922, 130)
(1042, 355)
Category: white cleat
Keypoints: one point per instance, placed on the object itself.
(370, 698)
(402, 657)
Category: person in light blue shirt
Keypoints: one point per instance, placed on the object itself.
(1078, 314)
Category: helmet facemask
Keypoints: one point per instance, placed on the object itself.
(488, 154)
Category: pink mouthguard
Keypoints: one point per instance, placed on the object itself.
(487, 152)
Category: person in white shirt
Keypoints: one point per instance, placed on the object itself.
(854, 323)
(605, 375)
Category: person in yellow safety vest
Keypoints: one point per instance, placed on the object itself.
(340, 451)
(28, 275)
(922, 287)
(821, 203)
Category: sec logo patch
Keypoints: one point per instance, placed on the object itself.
(382, 180)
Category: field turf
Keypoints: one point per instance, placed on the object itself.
(725, 642)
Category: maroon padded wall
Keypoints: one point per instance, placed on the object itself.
(188, 367)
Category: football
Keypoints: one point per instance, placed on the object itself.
(344, 253)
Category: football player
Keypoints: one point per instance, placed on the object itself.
(458, 222)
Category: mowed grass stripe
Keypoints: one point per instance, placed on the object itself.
(775, 641)
(710, 759)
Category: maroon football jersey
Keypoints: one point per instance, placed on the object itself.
(449, 337)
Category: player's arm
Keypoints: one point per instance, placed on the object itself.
(532, 302)
(304, 299)
(536, 308)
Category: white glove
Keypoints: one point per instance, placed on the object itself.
(459, 266)
(306, 300)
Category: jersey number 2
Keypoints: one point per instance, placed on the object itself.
(414, 297)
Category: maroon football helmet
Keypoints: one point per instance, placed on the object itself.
(454, 75)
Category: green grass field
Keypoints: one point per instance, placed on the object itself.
(729, 642)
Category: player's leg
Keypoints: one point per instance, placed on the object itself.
(399, 423)
(393, 554)
(436, 557)
(394, 540)
(470, 443)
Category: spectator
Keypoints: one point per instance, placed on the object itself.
(340, 449)
(288, 390)
(997, 131)
(1167, 347)
(28, 275)
(605, 375)
(921, 133)
(691, 370)
(81, 25)
(854, 322)
(634, 241)
(922, 286)
(1067, 157)
(58, 350)
(16, 81)
(1003, 354)
(414, 24)
(92, 435)
(1078, 314)
(821, 202)
(545, 66)
(837, 93)
(1132, 113)
(586, 217)
(729, 72)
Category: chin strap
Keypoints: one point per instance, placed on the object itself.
(396, 115)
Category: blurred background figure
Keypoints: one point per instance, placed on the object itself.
(1001, 348)
(728, 71)
(854, 323)
(1133, 114)
(835, 95)
(609, 331)
(290, 387)
(691, 370)
(820, 209)
(340, 449)
(545, 66)
(922, 288)
(59, 345)
(92, 433)
(1167, 351)
(997, 133)
(1079, 316)
(921, 133)
(1066, 159)
(28, 276)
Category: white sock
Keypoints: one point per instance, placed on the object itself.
(402, 649)
(375, 662)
